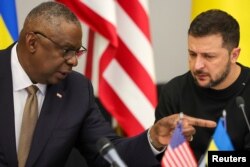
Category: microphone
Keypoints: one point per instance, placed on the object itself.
(108, 151)
(241, 104)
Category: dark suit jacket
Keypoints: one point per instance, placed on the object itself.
(71, 121)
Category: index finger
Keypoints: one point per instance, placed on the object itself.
(200, 122)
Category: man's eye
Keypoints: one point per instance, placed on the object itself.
(208, 56)
(192, 55)
(66, 51)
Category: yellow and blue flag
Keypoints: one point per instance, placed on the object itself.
(219, 142)
(8, 23)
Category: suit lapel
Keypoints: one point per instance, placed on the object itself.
(51, 108)
(7, 121)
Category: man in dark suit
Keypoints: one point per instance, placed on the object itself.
(68, 117)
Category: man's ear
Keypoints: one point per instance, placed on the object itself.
(31, 42)
(235, 54)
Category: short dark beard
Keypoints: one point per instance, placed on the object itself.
(216, 82)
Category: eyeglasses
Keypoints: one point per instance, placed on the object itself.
(67, 53)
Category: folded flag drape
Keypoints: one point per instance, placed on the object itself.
(120, 59)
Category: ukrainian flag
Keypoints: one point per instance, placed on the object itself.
(220, 142)
(239, 9)
(8, 23)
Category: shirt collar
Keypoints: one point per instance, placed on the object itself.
(20, 78)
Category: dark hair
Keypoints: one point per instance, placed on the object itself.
(49, 10)
(216, 21)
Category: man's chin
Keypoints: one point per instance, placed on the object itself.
(54, 81)
(203, 84)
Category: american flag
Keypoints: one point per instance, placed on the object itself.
(120, 59)
(178, 152)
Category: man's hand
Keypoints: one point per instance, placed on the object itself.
(161, 132)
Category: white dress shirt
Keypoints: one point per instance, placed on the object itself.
(20, 82)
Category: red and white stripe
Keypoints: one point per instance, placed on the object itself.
(120, 59)
(181, 156)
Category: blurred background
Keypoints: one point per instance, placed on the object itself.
(150, 41)
(169, 21)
